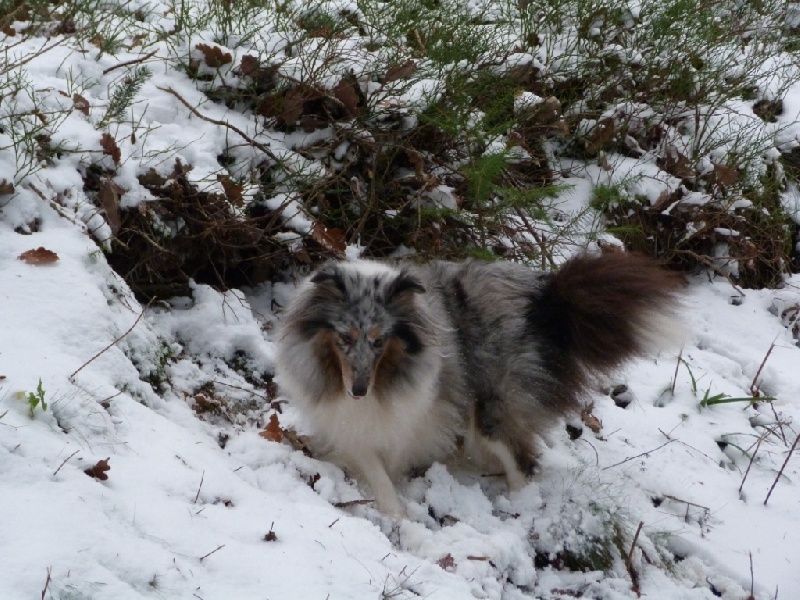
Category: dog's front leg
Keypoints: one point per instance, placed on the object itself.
(371, 467)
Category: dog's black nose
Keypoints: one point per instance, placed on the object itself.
(359, 389)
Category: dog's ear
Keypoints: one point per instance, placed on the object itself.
(404, 286)
(329, 278)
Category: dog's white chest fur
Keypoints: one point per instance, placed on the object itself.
(398, 429)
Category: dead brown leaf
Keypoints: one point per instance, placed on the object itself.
(109, 195)
(589, 419)
(6, 187)
(331, 238)
(214, 56)
(250, 66)
(99, 470)
(179, 169)
(345, 92)
(270, 536)
(723, 175)
(447, 563)
(293, 103)
(233, 190)
(298, 442)
(272, 431)
(151, 178)
(603, 133)
(39, 256)
(80, 103)
(677, 164)
(109, 146)
(400, 71)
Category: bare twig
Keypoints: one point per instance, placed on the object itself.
(28, 58)
(783, 466)
(629, 561)
(65, 462)
(761, 438)
(119, 339)
(638, 455)
(686, 502)
(752, 579)
(46, 582)
(220, 547)
(350, 503)
(266, 150)
(128, 63)
(199, 487)
(753, 387)
(675, 375)
(778, 422)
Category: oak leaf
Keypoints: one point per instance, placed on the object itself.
(99, 470)
(272, 431)
(330, 238)
(80, 103)
(109, 146)
(109, 195)
(39, 256)
(400, 71)
(214, 56)
(345, 92)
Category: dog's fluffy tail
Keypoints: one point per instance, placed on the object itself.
(600, 311)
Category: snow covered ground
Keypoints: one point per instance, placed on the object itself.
(198, 507)
(197, 504)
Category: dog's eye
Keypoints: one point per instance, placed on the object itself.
(346, 338)
(377, 343)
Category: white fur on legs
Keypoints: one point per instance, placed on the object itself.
(371, 467)
(516, 479)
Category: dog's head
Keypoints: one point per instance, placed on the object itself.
(364, 323)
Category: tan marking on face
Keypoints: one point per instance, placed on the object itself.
(331, 361)
(374, 333)
(355, 333)
(391, 358)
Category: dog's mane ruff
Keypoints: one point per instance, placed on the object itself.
(399, 420)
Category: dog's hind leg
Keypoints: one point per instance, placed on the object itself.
(514, 476)
(370, 466)
(491, 432)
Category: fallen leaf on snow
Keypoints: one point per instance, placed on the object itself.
(80, 103)
(99, 470)
(214, 56)
(109, 146)
(109, 195)
(589, 419)
(447, 562)
(272, 431)
(39, 256)
(6, 187)
(400, 71)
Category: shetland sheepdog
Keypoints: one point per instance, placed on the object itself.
(392, 365)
